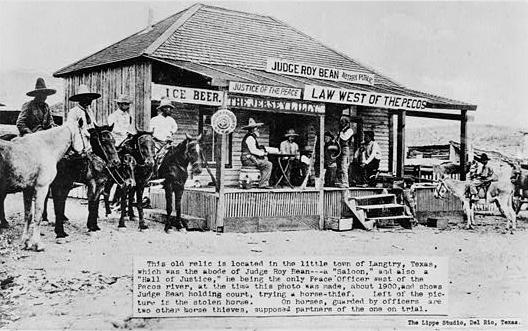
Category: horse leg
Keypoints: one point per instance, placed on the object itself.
(168, 204)
(123, 198)
(92, 207)
(139, 198)
(45, 210)
(468, 208)
(28, 200)
(40, 196)
(131, 214)
(3, 221)
(106, 195)
(179, 222)
(59, 202)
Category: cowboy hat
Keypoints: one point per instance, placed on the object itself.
(1, 104)
(123, 98)
(84, 92)
(40, 88)
(484, 157)
(252, 124)
(165, 103)
(291, 132)
(369, 134)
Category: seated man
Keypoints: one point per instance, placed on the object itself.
(163, 127)
(255, 155)
(481, 178)
(371, 157)
(289, 146)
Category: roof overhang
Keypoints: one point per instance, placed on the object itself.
(221, 75)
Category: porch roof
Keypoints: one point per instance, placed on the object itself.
(256, 76)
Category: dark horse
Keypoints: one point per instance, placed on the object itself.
(141, 148)
(173, 169)
(94, 170)
(519, 179)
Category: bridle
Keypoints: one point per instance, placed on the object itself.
(438, 189)
(138, 148)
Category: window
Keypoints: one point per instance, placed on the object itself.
(209, 139)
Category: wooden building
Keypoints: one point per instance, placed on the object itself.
(264, 69)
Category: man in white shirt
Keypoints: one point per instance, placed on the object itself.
(345, 140)
(121, 120)
(83, 112)
(371, 156)
(255, 155)
(289, 146)
(163, 125)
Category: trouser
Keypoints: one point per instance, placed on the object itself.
(262, 164)
(475, 184)
(342, 167)
(330, 175)
(370, 170)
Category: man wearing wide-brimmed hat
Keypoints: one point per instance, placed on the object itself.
(82, 112)
(35, 115)
(121, 119)
(255, 155)
(482, 178)
(371, 157)
(289, 146)
(163, 126)
(345, 141)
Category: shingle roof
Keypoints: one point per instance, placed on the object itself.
(220, 36)
(207, 35)
(128, 48)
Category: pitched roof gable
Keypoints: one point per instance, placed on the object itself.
(216, 35)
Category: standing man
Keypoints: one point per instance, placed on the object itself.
(255, 155)
(35, 115)
(345, 139)
(289, 146)
(83, 113)
(330, 151)
(163, 125)
(121, 119)
(371, 157)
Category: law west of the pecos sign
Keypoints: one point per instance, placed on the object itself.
(362, 98)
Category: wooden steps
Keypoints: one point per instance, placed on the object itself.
(379, 210)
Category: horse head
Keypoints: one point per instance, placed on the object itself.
(144, 148)
(103, 144)
(193, 153)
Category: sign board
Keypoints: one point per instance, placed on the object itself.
(275, 105)
(187, 95)
(286, 67)
(265, 90)
(223, 121)
(363, 98)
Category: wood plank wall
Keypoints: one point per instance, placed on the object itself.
(377, 120)
(133, 79)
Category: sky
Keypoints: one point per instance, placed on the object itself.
(471, 51)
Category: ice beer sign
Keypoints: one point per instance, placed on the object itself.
(187, 95)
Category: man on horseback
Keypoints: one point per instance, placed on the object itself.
(163, 127)
(35, 114)
(481, 178)
(121, 119)
(82, 113)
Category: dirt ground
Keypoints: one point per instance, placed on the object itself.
(86, 282)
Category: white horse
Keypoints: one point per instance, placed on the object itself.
(29, 164)
(499, 192)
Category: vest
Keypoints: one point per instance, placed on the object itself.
(245, 148)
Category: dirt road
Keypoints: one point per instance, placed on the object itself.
(86, 282)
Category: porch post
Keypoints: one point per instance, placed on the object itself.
(400, 153)
(391, 142)
(220, 160)
(320, 206)
(463, 145)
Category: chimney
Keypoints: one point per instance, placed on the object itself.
(150, 18)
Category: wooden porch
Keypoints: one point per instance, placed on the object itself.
(259, 210)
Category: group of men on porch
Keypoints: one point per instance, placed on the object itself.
(338, 159)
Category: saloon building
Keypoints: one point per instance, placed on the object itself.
(259, 67)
